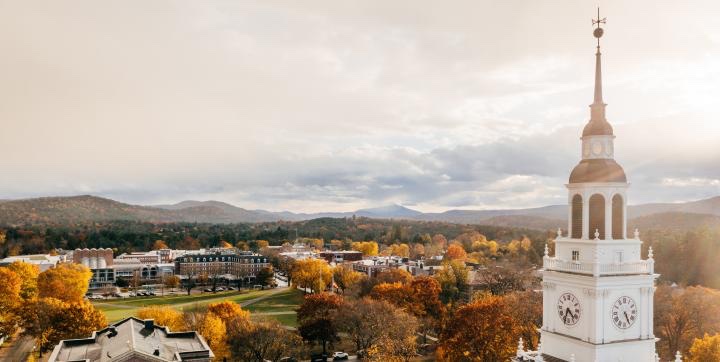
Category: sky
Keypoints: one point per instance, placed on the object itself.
(338, 105)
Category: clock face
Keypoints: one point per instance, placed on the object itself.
(586, 150)
(597, 148)
(568, 308)
(624, 312)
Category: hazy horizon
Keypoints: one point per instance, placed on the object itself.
(338, 106)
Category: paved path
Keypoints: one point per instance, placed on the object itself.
(18, 350)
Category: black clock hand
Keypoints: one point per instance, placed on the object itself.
(626, 317)
(568, 312)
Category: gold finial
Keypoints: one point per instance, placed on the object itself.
(598, 32)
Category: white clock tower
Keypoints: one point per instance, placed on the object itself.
(597, 289)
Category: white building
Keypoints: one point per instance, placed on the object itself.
(43, 261)
(597, 288)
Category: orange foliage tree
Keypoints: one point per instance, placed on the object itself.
(316, 318)
(483, 330)
(455, 252)
(28, 274)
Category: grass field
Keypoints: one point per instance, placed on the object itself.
(280, 307)
(283, 302)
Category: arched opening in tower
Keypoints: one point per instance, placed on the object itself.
(597, 215)
(617, 217)
(577, 217)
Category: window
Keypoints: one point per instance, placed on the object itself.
(576, 255)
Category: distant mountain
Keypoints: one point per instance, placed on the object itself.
(78, 209)
(217, 212)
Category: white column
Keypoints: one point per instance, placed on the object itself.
(625, 217)
(608, 217)
(569, 234)
(586, 216)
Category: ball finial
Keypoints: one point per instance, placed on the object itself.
(598, 32)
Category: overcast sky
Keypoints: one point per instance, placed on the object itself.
(337, 105)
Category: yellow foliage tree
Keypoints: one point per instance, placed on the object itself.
(163, 316)
(402, 250)
(67, 282)
(368, 248)
(345, 277)
(227, 310)
(262, 244)
(10, 286)
(314, 274)
(225, 245)
(28, 274)
(159, 244)
(705, 349)
(50, 320)
(212, 328)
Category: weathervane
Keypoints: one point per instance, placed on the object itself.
(598, 32)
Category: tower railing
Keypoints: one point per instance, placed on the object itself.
(599, 269)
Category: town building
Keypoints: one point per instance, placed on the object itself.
(341, 256)
(597, 288)
(227, 264)
(42, 261)
(100, 262)
(149, 267)
(133, 339)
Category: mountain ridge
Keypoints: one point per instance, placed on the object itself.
(88, 208)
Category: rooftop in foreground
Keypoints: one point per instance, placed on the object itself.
(134, 339)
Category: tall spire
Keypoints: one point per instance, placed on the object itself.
(598, 125)
(598, 32)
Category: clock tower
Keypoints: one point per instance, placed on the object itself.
(597, 288)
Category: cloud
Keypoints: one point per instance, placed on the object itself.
(323, 105)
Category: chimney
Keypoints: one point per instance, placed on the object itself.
(112, 332)
(149, 324)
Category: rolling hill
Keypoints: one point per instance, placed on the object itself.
(79, 209)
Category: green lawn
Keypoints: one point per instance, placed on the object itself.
(283, 302)
(122, 308)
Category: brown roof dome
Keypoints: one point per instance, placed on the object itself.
(597, 170)
(598, 128)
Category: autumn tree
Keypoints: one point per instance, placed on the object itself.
(385, 332)
(455, 252)
(527, 309)
(50, 320)
(159, 244)
(453, 280)
(28, 274)
(684, 314)
(313, 274)
(10, 288)
(394, 275)
(262, 341)
(418, 251)
(368, 248)
(316, 318)
(266, 276)
(212, 328)
(483, 330)
(67, 282)
(402, 250)
(228, 310)
(705, 349)
(163, 316)
(172, 281)
(345, 277)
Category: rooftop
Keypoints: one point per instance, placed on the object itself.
(134, 339)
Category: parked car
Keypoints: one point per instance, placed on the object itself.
(208, 289)
(318, 358)
(339, 356)
(233, 288)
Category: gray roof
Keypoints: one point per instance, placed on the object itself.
(134, 338)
